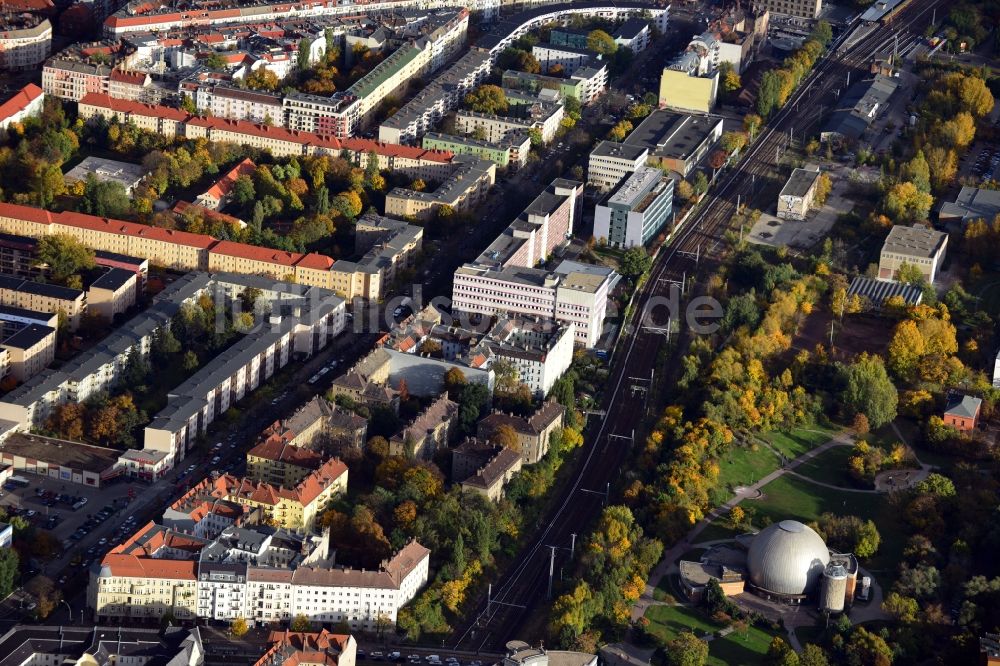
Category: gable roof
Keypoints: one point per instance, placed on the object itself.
(20, 101)
(967, 407)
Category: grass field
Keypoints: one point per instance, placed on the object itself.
(668, 621)
(665, 622)
(797, 441)
(739, 648)
(741, 467)
(830, 467)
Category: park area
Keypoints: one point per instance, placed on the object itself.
(742, 647)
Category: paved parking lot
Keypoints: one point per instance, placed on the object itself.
(66, 519)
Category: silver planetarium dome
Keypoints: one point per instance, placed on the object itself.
(787, 558)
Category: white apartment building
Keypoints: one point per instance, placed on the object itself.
(25, 41)
(543, 116)
(611, 162)
(261, 573)
(337, 116)
(26, 103)
(595, 80)
(574, 294)
(567, 57)
(238, 104)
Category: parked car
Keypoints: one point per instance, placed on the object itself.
(377, 656)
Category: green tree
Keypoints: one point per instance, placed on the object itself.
(8, 571)
(239, 627)
(937, 485)
(215, 61)
(243, 190)
(865, 647)
(780, 653)
(48, 184)
(905, 203)
(487, 99)
(104, 199)
(768, 95)
(190, 361)
(687, 650)
(601, 42)
(751, 124)
(733, 142)
(635, 262)
(813, 655)
(904, 609)
(869, 391)
(64, 255)
(822, 33)
(700, 184)
(188, 104)
(918, 172)
(729, 79)
(301, 623)
(263, 79)
(348, 203)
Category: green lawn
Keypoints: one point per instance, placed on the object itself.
(791, 497)
(739, 648)
(830, 467)
(665, 622)
(668, 621)
(797, 441)
(741, 467)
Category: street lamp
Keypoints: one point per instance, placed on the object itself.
(70, 609)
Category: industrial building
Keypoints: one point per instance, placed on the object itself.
(676, 141)
(918, 246)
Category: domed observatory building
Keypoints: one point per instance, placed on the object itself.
(786, 561)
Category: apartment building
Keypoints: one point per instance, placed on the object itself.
(292, 507)
(546, 224)
(411, 161)
(633, 34)
(917, 246)
(262, 574)
(492, 467)
(542, 116)
(336, 116)
(516, 80)
(428, 433)
(28, 351)
(228, 377)
(635, 211)
(113, 293)
(534, 433)
(807, 9)
(217, 196)
(25, 41)
(254, 106)
(347, 427)
(465, 187)
(389, 248)
(571, 294)
(74, 79)
(25, 103)
(18, 257)
(444, 94)
(611, 162)
(390, 77)
(277, 462)
(30, 295)
(568, 58)
(511, 150)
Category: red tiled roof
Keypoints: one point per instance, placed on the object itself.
(315, 261)
(20, 101)
(225, 185)
(84, 221)
(396, 150)
(131, 77)
(207, 213)
(128, 106)
(265, 254)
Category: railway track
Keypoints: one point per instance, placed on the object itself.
(525, 584)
